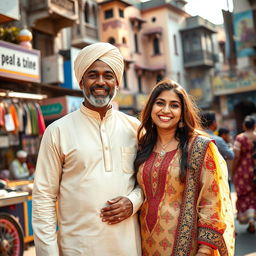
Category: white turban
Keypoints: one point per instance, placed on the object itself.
(21, 154)
(105, 52)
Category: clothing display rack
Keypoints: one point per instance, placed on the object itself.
(21, 126)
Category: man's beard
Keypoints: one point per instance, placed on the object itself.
(99, 101)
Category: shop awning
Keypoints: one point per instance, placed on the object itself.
(153, 31)
(137, 19)
(154, 68)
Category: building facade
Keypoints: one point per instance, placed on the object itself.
(235, 85)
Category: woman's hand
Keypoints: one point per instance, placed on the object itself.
(204, 250)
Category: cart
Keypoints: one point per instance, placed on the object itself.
(11, 232)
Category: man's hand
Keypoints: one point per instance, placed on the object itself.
(119, 209)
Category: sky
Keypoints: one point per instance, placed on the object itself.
(209, 9)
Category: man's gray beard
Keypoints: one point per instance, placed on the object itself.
(99, 102)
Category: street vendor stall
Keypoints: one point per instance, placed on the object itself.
(11, 230)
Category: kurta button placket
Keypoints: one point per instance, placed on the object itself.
(105, 147)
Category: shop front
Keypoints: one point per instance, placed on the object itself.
(125, 102)
(237, 94)
(21, 128)
(57, 107)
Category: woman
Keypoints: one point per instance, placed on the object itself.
(187, 209)
(243, 171)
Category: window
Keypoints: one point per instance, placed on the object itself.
(159, 77)
(124, 40)
(108, 14)
(186, 41)
(44, 42)
(121, 13)
(178, 77)
(125, 80)
(112, 40)
(136, 43)
(156, 46)
(175, 45)
(208, 43)
(94, 12)
(139, 84)
(195, 43)
(86, 13)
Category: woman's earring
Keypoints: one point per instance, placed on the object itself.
(181, 124)
(152, 125)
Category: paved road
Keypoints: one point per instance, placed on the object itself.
(245, 242)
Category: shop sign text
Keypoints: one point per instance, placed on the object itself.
(19, 63)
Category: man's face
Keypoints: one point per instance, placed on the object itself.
(22, 159)
(226, 137)
(99, 85)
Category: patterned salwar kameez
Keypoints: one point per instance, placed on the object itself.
(176, 217)
(243, 181)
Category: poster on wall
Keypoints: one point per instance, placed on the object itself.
(244, 33)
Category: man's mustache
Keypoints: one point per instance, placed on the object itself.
(95, 87)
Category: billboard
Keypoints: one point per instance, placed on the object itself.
(244, 34)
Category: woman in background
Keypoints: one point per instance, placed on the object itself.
(187, 209)
(243, 171)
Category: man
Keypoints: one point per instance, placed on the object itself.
(86, 163)
(210, 125)
(18, 167)
(224, 133)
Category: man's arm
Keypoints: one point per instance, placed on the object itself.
(121, 208)
(45, 191)
(136, 197)
(225, 150)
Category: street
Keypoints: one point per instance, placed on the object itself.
(245, 242)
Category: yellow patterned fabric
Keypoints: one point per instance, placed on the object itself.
(177, 218)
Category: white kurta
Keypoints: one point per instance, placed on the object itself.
(83, 162)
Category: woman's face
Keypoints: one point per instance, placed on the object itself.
(166, 110)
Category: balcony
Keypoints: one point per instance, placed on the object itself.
(197, 22)
(83, 35)
(198, 59)
(50, 16)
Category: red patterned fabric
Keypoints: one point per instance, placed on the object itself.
(164, 204)
(243, 180)
(154, 177)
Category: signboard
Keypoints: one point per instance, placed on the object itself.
(70, 81)
(244, 33)
(54, 108)
(243, 81)
(141, 100)
(124, 100)
(19, 63)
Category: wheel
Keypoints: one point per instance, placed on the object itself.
(11, 236)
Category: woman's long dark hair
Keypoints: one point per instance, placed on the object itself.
(147, 133)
